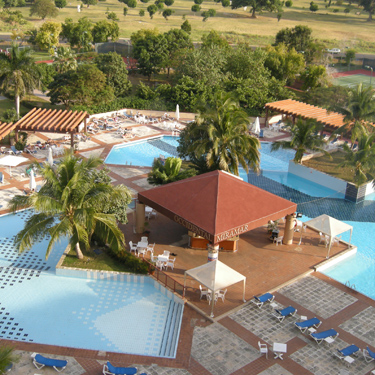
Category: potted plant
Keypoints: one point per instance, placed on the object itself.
(7, 358)
(272, 225)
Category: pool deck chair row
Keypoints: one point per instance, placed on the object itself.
(40, 361)
(328, 336)
(282, 314)
(306, 324)
(368, 354)
(260, 301)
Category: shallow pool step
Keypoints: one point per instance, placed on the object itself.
(168, 346)
(164, 146)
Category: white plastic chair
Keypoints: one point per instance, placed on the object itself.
(278, 240)
(170, 263)
(150, 248)
(142, 252)
(263, 349)
(132, 247)
(166, 253)
(144, 239)
(220, 294)
(336, 240)
(204, 292)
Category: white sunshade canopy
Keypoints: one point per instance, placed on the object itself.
(330, 226)
(12, 161)
(216, 276)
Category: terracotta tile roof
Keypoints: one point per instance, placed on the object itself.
(46, 120)
(306, 111)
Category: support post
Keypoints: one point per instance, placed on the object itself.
(140, 217)
(289, 229)
(266, 118)
(213, 252)
(72, 140)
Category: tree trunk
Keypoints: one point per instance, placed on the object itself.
(18, 106)
(253, 13)
(369, 19)
(78, 251)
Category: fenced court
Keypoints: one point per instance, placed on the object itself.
(353, 78)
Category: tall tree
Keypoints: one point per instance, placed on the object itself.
(113, 66)
(304, 136)
(43, 9)
(257, 6)
(69, 205)
(78, 34)
(222, 137)
(48, 36)
(368, 6)
(150, 48)
(169, 170)
(64, 60)
(18, 73)
(298, 37)
(359, 111)
(103, 30)
(362, 160)
(84, 86)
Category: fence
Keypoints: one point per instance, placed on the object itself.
(165, 279)
(124, 49)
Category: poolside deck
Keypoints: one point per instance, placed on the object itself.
(230, 345)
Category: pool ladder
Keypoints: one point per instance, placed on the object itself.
(351, 286)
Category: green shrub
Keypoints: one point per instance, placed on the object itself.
(195, 8)
(142, 12)
(132, 3)
(289, 3)
(336, 10)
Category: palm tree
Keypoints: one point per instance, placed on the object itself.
(164, 172)
(362, 160)
(65, 59)
(7, 357)
(223, 138)
(304, 134)
(359, 111)
(70, 205)
(18, 73)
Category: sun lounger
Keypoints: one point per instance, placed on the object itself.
(40, 361)
(346, 352)
(109, 369)
(282, 314)
(319, 337)
(1, 177)
(15, 151)
(306, 324)
(368, 354)
(260, 301)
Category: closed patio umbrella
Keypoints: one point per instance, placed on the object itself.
(50, 157)
(256, 126)
(177, 112)
(32, 181)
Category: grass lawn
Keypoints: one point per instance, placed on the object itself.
(94, 261)
(329, 166)
(336, 29)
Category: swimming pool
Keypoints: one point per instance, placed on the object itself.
(108, 312)
(313, 200)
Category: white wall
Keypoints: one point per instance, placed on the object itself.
(317, 177)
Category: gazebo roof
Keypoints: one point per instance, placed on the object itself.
(306, 111)
(46, 120)
(217, 205)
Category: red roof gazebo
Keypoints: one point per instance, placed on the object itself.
(217, 205)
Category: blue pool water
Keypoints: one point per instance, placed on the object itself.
(143, 153)
(313, 200)
(36, 305)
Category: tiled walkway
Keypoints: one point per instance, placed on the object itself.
(230, 345)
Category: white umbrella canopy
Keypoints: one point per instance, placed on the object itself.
(32, 181)
(12, 161)
(177, 112)
(50, 157)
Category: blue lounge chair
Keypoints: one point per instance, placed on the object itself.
(15, 151)
(260, 301)
(261, 134)
(40, 361)
(109, 369)
(306, 324)
(1, 177)
(319, 337)
(282, 314)
(348, 351)
(368, 354)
